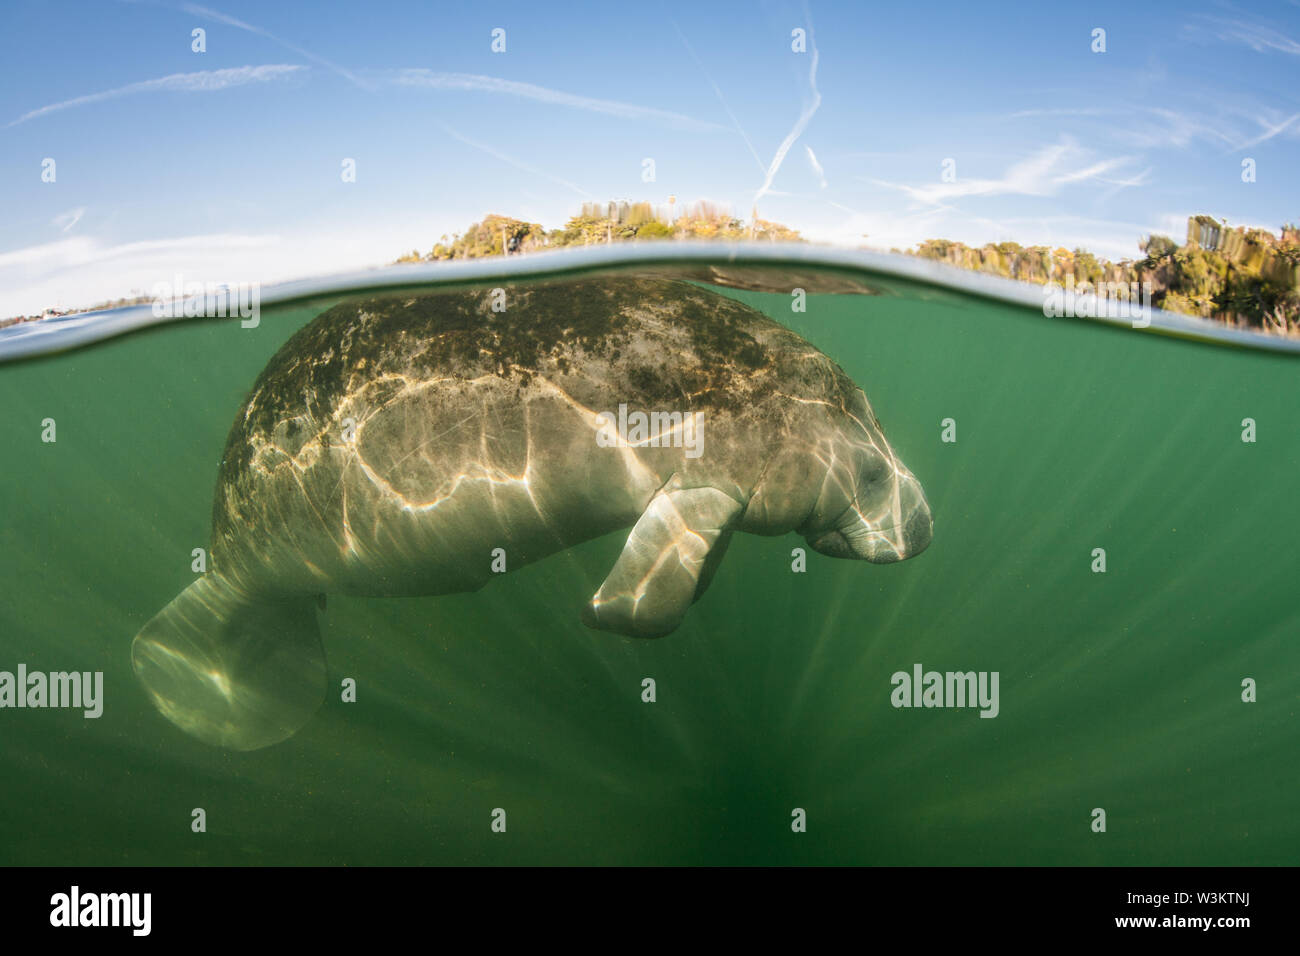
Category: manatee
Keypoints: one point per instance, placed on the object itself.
(395, 442)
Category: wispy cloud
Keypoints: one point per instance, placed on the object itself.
(1172, 127)
(518, 164)
(800, 125)
(1271, 129)
(876, 229)
(67, 220)
(470, 82)
(1258, 36)
(78, 270)
(1141, 179)
(1149, 127)
(816, 166)
(1042, 174)
(201, 82)
(1115, 239)
(83, 251)
(1091, 172)
(1063, 111)
(218, 17)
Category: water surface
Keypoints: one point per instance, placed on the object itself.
(1119, 690)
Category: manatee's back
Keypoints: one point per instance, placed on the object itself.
(441, 386)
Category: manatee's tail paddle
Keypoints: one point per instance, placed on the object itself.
(232, 670)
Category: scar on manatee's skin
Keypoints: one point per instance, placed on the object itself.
(473, 429)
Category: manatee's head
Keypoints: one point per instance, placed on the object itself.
(868, 505)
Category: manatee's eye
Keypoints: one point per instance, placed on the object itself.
(875, 471)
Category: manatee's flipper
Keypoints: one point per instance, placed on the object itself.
(711, 562)
(665, 565)
(233, 671)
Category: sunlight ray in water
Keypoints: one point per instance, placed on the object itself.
(775, 690)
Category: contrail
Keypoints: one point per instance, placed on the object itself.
(202, 81)
(734, 122)
(492, 84)
(817, 167)
(230, 21)
(799, 127)
(514, 162)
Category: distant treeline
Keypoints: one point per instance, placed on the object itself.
(597, 224)
(1238, 276)
(1242, 277)
(56, 313)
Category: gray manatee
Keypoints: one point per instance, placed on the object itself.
(394, 443)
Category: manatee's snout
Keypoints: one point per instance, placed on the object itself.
(899, 531)
(885, 547)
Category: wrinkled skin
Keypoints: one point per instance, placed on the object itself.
(393, 444)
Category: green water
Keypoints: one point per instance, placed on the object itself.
(1119, 690)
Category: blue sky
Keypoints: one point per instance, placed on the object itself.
(225, 165)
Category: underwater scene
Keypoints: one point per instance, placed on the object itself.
(648, 560)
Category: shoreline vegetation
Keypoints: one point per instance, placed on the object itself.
(1246, 278)
(1240, 277)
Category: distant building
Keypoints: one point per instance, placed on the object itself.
(1203, 232)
